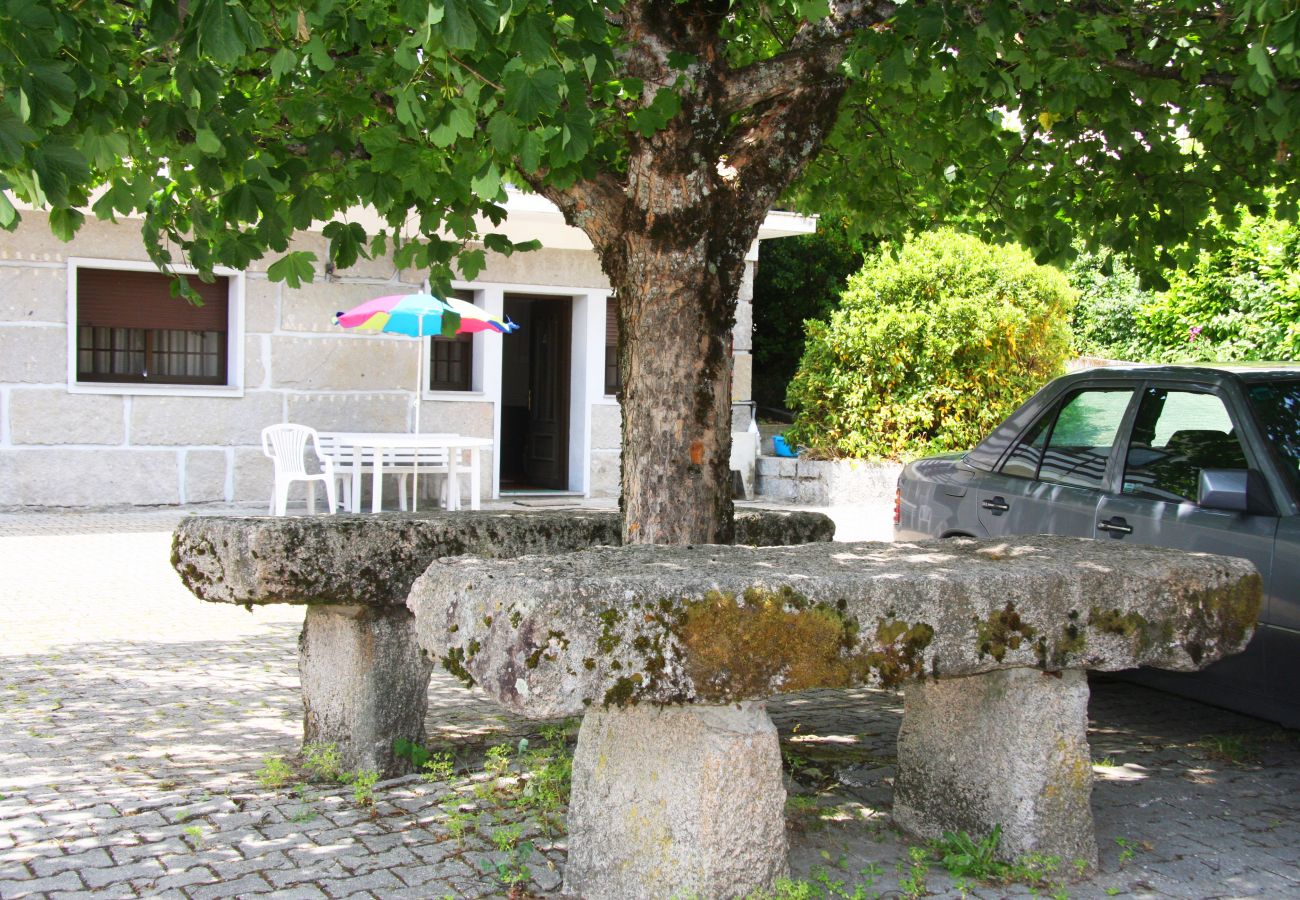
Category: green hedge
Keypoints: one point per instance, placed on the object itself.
(929, 350)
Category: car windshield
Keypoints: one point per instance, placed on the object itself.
(1277, 405)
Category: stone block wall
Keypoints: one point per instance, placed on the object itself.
(100, 449)
(810, 482)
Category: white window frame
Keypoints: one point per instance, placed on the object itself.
(234, 335)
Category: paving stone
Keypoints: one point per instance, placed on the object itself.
(249, 884)
(87, 859)
(33, 887)
(186, 878)
(98, 878)
(374, 882)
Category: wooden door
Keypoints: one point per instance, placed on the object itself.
(546, 451)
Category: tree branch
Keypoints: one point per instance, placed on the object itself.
(594, 205)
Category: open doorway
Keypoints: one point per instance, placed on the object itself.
(535, 395)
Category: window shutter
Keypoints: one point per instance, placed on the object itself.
(113, 298)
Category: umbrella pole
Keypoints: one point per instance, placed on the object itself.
(419, 390)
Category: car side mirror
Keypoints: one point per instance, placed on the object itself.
(1236, 490)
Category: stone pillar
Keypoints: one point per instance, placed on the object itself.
(365, 682)
(676, 802)
(1007, 748)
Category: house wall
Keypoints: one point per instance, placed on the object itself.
(63, 448)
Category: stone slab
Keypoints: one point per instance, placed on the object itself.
(374, 560)
(33, 354)
(215, 421)
(365, 683)
(100, 477)
(680, 801)
(205, 476)
(344, 363)
(674, 625)
(1006, 750)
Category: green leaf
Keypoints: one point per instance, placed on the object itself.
(451, 320)
(207, 141)
(283, 62)
(471, 263)
(487, 184)
(503, 131)
(8, 215)
(59, 167)
(458, 29)
(64, 223)
(528, 95)
(13, 134)
(319, 53)
(530, 151)
(293, 268)
(347, 243)
(218, 35)
(532, 39)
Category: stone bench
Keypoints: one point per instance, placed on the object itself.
(365, 680)
(669, 653)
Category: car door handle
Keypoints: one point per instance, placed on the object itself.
(997, 504)
(1115, 526)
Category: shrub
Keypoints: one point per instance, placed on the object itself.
(928, 351)
(1105, 320)
(1241, 302)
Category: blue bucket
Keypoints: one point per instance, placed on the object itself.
(780, 447)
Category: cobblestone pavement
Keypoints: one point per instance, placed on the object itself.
(136, 724)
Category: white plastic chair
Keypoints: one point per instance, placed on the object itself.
(286, 445)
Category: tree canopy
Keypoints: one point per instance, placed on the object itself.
(230, 123)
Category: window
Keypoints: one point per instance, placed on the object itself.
(129, 329)
(613, 378)
(1071, 444)
(451, 359)
(1175, 435)
(1277, 406)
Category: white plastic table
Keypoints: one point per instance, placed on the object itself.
(378, 442)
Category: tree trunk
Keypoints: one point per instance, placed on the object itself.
(677, 315)
(672, 232)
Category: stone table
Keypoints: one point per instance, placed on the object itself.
(365, 680)
(669, 653)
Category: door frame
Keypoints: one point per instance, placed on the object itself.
(586, 368)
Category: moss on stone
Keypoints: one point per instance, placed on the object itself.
(1230, 613)
(761, 643)
(1002, 631)
(609, 638)
(454, 662)
(899, 654)
(623, 691)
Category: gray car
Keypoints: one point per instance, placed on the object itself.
(1198, 458)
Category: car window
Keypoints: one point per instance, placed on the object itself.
(1175, 435)
(1070, 445)
(1277, 406)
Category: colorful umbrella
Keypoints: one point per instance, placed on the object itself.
(416, 315)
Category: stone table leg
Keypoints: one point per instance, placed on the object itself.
(365, 682)
(676, 802)
(1008, 748)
